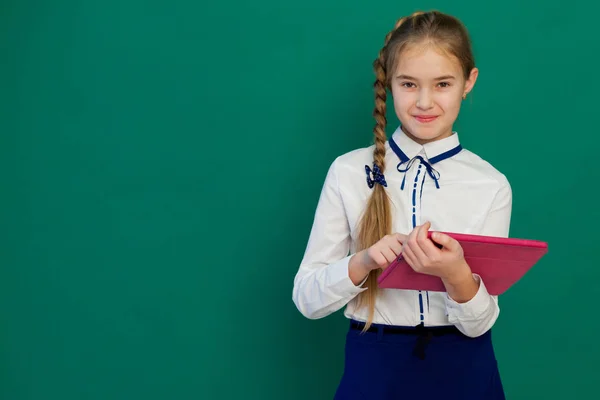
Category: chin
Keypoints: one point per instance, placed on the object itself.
(424, 134)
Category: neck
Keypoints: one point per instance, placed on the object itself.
(425, 141)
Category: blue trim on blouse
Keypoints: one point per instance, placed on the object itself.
(403, 157)
(445, 155)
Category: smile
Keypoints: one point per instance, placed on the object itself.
(425, 118)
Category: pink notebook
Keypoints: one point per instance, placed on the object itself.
(500, 262)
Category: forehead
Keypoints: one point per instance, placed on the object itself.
(427, 62)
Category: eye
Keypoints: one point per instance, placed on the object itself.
(444, 84)
(407, 84)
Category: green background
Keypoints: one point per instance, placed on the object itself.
(161, 163)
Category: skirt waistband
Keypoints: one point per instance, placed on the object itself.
(420, 329)
(423, 333)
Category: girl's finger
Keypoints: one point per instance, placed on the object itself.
(389, 255)
(400, 238)
(396, 248)
(426, 245)
(414, 245)
(410, 258)
(449, 243)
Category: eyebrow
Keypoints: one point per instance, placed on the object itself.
(439, 78)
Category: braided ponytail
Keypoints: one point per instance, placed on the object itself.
(377, 220)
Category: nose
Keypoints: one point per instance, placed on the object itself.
(425, 100)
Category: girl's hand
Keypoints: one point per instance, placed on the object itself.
(425, 257)
(384, 252)
(380, 255)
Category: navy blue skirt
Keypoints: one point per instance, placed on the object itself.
(438, 363)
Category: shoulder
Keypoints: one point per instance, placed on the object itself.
(347, 170)
(483, 169)
(354, 160)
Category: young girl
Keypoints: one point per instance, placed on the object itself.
(380, 202)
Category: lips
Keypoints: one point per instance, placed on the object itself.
(425, 118)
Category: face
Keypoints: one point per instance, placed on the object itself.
(427, 88)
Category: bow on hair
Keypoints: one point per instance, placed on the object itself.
(435, 175)
(377, 176)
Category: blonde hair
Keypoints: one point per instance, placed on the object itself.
(448, 34)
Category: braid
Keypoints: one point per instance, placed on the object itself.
(380, 85)
(379, 113)
(377, 220)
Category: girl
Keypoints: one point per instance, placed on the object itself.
(380, 202)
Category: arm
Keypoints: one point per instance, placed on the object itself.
(322, 284)
(469, 306)
(462, 287)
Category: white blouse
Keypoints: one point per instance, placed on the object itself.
(440, 182)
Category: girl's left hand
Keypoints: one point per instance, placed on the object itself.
(425, 257)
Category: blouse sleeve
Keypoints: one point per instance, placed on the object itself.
(322, 284)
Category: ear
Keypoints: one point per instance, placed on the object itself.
(470, 82)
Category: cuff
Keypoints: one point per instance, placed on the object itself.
(339, 279)
(473, 308)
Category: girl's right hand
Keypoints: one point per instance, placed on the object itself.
(384, 252)
(380, 255)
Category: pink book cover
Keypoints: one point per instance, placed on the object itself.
(500, 262)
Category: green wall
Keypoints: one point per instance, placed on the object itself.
(160, 164)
